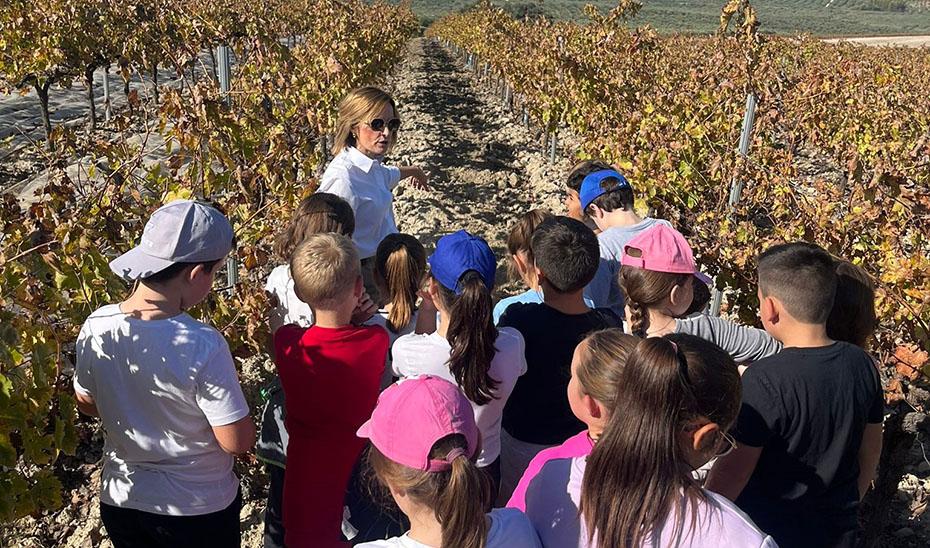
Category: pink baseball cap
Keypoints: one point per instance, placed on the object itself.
(413, 414)
(662, 249)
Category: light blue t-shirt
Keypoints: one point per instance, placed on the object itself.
(604, 290)
(528, 296)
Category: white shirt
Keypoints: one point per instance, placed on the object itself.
(509, 529)
(160, 386)
(366, 184)
(552, 506)
(429, 355)
(288, 308)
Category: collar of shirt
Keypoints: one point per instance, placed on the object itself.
(359, 159)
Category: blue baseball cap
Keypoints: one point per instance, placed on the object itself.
(458, 253)
(591, 186)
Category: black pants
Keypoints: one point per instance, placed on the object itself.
(274, 521)
(130, 528)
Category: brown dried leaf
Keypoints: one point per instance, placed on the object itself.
(909, 360)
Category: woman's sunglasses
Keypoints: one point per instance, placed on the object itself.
(378, 124)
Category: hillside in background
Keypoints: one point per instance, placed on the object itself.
(820, 17)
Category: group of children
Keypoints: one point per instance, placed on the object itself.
(599, 408)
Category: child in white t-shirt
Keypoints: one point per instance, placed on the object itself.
(467, 349)
(399, 269)
(166, 389)
(424, 442)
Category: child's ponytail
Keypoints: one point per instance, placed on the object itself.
(471, 336)
(459, 496)
(462, 504)
(400, 263)
(638, 470)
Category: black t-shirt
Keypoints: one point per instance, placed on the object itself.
(538, 409)
(807, 408)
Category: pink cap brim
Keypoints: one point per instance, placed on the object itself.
(364, 431)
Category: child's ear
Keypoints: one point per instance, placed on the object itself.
(675, 295)
(594, 212)
(359, 287)
(769, 309)
(705, 438)
(195, 272)
(432, 287)
(540, 275)
(595, 409)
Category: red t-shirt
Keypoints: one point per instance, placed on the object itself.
(331, 379)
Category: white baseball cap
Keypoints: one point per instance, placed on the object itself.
(183, 231)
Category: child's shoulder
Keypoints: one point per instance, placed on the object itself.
(511, 527)
(521, 309)
(736, 525)
(279, 277)
(106, 313)
(374, 331)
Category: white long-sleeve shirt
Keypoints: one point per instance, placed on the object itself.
(366, 184)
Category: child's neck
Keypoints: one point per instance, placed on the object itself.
(620, 217)
(332, 318)
(803, 335)
(566, 303)
(424, 527)
(660, 323)
(150, 303)
(443, 322)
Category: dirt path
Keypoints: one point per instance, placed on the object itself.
(485, 167)
(907, 41)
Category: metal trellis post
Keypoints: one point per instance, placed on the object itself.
(736, 186)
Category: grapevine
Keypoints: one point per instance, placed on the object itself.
(255, 153)
(667, 110)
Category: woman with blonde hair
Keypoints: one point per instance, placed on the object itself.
(365, 131)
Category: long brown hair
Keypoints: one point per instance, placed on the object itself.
(471, 334)
(359, 105)
(318, 213)
(520, 237)
(643, 289)
(638, 469)
(458, 496)
(400, 264)
(603, 355)
(852, 318)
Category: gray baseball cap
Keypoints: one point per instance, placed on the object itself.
(183, 231)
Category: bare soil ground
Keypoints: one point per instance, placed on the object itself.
(908, 41)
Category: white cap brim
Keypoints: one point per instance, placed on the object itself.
(135, 264)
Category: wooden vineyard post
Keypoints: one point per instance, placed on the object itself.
(736, 186)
